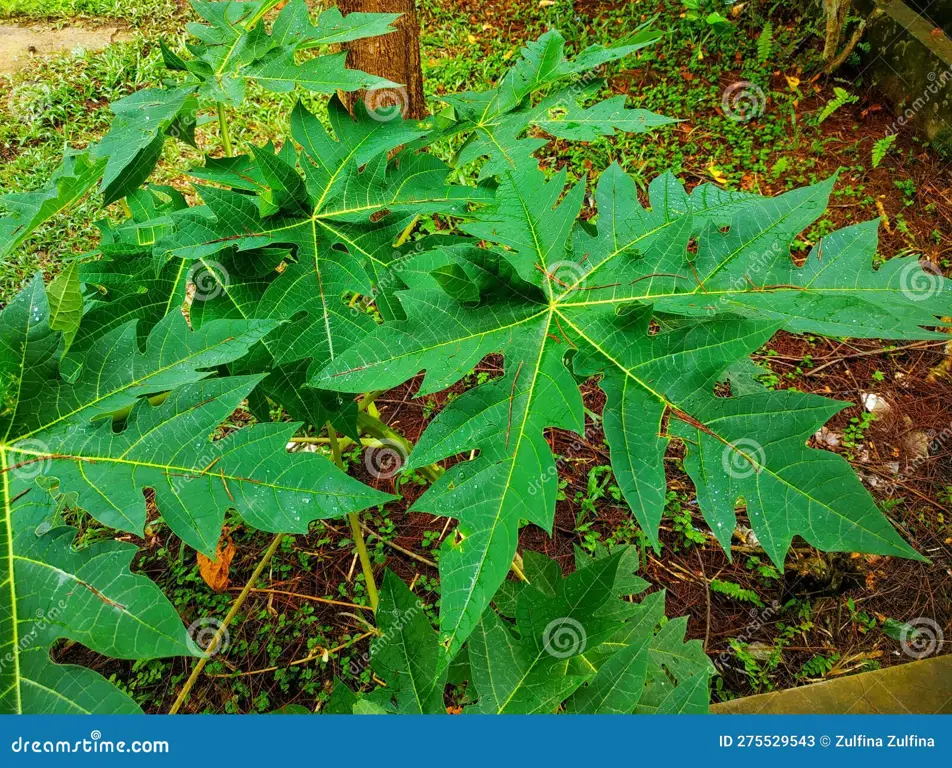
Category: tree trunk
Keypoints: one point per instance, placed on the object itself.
(833, 10)
(395, 56)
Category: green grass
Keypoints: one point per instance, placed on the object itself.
(131, 11)
(57, 103)
(64, 101)
(682, 76)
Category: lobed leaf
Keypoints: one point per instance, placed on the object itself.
(594, 292)
(575, 646)
(60, 449)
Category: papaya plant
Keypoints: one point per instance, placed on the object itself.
(551, 643)
(61, 451)
(660, 304)
(305, 279)
(232, 49)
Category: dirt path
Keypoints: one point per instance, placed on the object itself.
(19, 44)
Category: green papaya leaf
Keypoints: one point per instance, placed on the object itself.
(575, 647)
(594, 291)
(234, 48)
(96, 443)
(65, 296)
(77, 174)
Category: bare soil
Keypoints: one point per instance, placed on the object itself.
(18, 44)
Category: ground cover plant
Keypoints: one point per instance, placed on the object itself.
(341, 261)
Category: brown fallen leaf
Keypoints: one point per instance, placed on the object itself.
(215, 572)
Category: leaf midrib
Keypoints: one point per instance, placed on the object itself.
(512, 466)
(166, 468)
(542, 652)
(8, 514)
(826, 291)
(639, 238)
(761, 467)
(132, 384)
(87, 585)
(455, 341)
